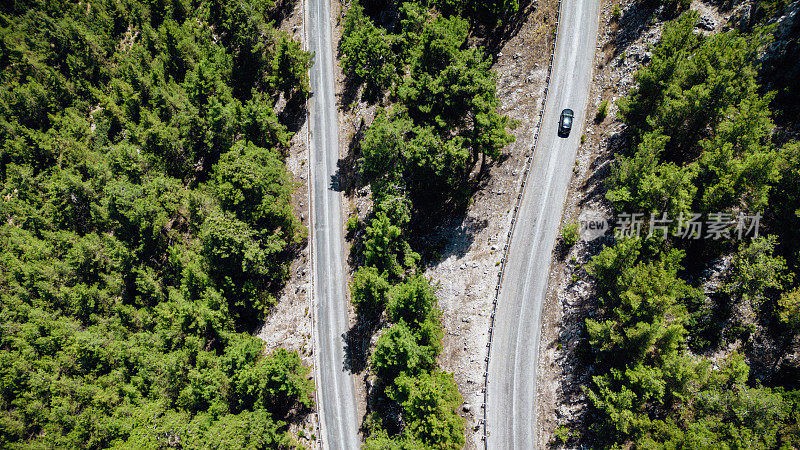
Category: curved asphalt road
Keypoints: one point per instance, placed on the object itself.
(335, 393)
(511, 413)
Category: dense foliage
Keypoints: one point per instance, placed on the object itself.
(702, 143)
(404, 359)
(702, 127)
(445, 114)
(145, 220)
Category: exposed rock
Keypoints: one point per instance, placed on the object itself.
(706, 23)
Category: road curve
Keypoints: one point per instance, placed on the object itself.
(335, 391)
(510, 408)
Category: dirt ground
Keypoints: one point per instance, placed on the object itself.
(623, 46)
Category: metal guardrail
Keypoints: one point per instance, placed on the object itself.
(503, 260)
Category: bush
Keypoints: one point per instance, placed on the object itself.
(789, 309)
(369, 291)
(562, 434)
(570, 234)
(602, 112)
(353, 225)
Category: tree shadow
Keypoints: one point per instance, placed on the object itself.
(577, 356)
(347, 177)
(561, 249)
(357, 341)
(595, 186)
(350, 89)
(448, 236)
(294, 113)
(634, 22)
(282, 10)
(496, 36)
(389, 411)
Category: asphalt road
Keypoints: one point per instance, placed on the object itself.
(335, 392)
(511, 413)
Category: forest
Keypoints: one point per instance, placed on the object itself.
(145, 224)
(437, 125)
(684, 357)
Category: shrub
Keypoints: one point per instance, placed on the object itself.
(562, 434)
(369, 291)
(570, 234)
(616, 13)
(602, 112)
(353, 225)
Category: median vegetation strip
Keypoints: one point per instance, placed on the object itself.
(439, 121)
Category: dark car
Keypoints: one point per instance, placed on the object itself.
(565, 124)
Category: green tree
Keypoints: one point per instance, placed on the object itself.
(285, 383)
(397, 352)
(253, 183)
(369, 292)
(386, 249)
(290, 65)
(383, 147)
(122, 284)
(756, 270)
(641, 183)
(413, 302)
(453, 89)
(367, 51)
(429, 402)
(789, 309)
